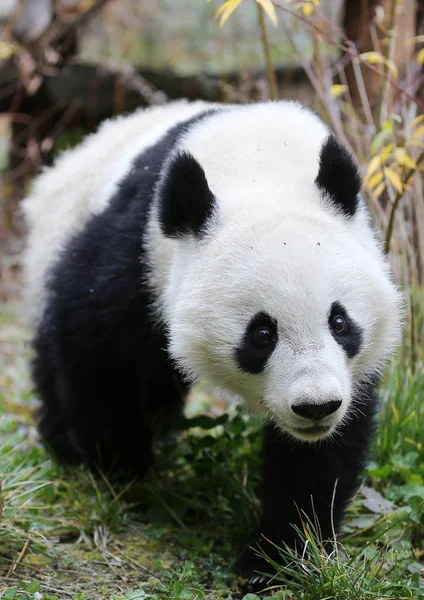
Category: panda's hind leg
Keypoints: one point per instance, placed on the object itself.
(134, 405)
(102, 408)
(106, 421)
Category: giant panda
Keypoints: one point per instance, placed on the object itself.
(223, 243)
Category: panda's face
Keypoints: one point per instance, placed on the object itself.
(291, 315)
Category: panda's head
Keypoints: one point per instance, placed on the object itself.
(277, 290)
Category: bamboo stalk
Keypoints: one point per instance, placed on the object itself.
(389, 55)
(273, 90)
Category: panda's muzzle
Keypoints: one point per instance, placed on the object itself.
(312, 420)
(314, 411)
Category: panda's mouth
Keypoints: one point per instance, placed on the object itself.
(314, 432)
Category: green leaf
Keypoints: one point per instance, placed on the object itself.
(157, 564)
(384, 133)
(417, 505)
(406, 461)
(177, 588)
(33, 587)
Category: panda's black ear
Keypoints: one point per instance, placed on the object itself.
(185, 200)
(338, 178)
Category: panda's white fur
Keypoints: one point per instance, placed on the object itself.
(180, 232)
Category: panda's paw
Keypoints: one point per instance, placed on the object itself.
(257, 582)
(254, 569)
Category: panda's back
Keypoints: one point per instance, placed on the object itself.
(86, 182)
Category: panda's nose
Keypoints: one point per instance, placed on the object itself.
(315, 411)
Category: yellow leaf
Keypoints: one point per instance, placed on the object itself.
(375, 180)
(416, 39)
(386, 151)
(410, 162)
(400, 155)
(418, 132)
(395, 412)
(413, 442)
(269, 8)
(372, 57)
(7, 50)
(376, 58)
(375, 163)
(315, 3)
(337, 90)
(394, 179)
(85, 5)
(379, 190)
(420, 57)
(226, 10)
(404, 159)
(307, 9)
(417, 120)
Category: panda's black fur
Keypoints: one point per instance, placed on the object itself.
(108, 385)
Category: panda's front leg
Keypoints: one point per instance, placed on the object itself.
(306, 481)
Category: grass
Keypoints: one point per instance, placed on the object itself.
(64, 534)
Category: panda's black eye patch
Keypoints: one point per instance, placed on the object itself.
(344, 330)
(258, 343)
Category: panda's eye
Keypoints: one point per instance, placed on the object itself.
(262, 336)
(338, 324)
(257, 344)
